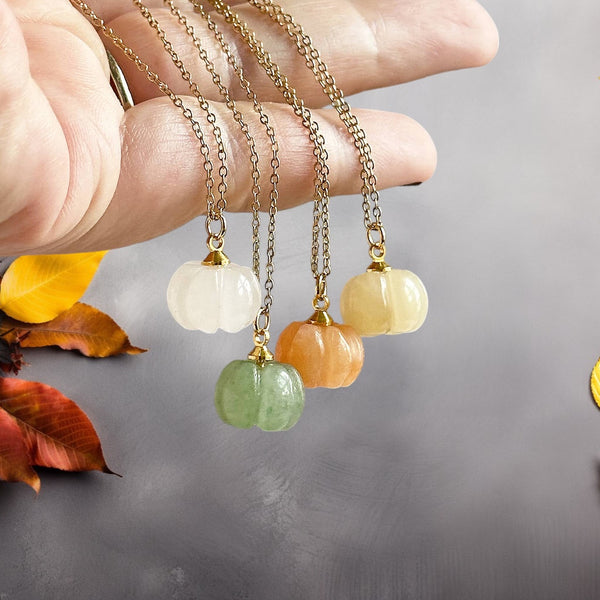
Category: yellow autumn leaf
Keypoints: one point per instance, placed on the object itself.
(36, 289)
(595, 383)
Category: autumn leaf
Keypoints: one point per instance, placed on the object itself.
(15, 461)
(11, 357)
(595, 383)
(36, 289)
(82, 327)
(57, 433)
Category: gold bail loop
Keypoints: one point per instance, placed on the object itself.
(261, 354)
(321, 301)
(321, 286)
(215, 244)
(261, 338)
(377, 253)
(262, 329)
(216, 239)
(376, 239)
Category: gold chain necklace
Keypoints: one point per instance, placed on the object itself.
(257, 391)
(274, 163)
(262, 391)
(305, 47)
(108, 32)
(326, 354)
(189, 297)
(382, 300)
(320, 231)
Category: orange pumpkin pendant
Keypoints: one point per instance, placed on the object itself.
(325, 353)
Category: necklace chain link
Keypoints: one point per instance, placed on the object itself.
(216, 214)
(215, 209)
(320, 230)
(306, 48)
(259, 326)
(108, 32)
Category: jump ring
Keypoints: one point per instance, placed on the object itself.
(377, 252)
(376, 227)
(222, 226)
(215, 243)
(261, 338)
(264, 314)
(321, 303)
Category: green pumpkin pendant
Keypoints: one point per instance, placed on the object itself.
(259, 392)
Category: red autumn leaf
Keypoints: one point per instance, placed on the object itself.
(57, 432)
(15, 463)
(82, 327)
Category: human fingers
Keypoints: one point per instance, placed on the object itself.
(161, 189)
(32, 192)
(59, 126)
(111, 9)
(366, 44)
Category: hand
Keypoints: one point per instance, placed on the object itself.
(79, 174)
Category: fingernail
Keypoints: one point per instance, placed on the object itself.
(412, 184)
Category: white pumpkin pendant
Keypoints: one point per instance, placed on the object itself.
(214, 294)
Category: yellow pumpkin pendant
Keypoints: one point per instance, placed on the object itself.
(384, 301)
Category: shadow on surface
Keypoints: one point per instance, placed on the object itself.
(11, 493)
(48, 475)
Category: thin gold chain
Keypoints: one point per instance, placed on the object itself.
(214, 208)
(306, 48)
(221, 203)
(239, 119)
(108, 32)
(263, 318)
(321, 197)
(274, 179)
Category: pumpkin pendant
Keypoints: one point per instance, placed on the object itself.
(259, 392)
(214, 294)
(325, 353)
(384, 301)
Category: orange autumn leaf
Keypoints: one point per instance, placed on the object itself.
(56, 431)
(82, 327)
(36, 289)
(15, 462)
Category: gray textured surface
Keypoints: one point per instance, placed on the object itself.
(463, 464)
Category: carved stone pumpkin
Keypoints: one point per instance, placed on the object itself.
(208, 296)
(386, 301)
(267, 395)
(326, 354)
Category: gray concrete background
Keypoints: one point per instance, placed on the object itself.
(464, 462)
